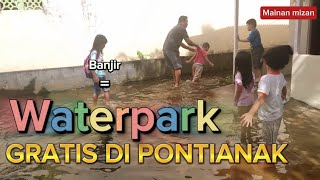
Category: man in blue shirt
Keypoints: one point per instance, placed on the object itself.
(257, 49)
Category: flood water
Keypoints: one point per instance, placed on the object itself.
(300, 129)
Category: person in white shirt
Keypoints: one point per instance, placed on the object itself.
(271, 93)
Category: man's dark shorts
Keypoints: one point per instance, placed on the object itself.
(256, 56)
(173, 59)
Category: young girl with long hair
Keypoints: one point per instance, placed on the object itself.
(244, 90)
(96, 54)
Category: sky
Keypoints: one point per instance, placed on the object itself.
(129, 25)
(143, 24)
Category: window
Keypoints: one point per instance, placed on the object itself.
(21, 4)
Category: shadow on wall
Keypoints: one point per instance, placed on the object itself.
(27, 90)
(221, 40)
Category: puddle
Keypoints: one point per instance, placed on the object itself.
(300, 129)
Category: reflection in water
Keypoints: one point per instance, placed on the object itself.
(300, 130)
(107, 170)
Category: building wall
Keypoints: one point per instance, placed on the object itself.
(59, 79)
(305, 84)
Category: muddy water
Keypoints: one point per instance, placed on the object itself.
(300, 130)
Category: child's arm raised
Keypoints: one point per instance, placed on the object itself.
(242, 40)
(246, 119)
(192, 59)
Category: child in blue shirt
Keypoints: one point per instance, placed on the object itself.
(257, 49)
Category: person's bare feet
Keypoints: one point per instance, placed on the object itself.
(111, 106)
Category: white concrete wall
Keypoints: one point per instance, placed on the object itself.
(36, 39)
(305, 85)
(59, 79)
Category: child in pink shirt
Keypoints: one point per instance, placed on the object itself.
(244, 83)
(200, 58)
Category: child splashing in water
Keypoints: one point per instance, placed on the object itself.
(96, 54)
(244, 97)
(271, 93)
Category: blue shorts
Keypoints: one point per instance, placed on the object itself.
(173, 59)
(97, 88)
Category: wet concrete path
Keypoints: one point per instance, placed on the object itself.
(300, 130)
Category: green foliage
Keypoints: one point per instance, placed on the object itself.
(140, 55)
